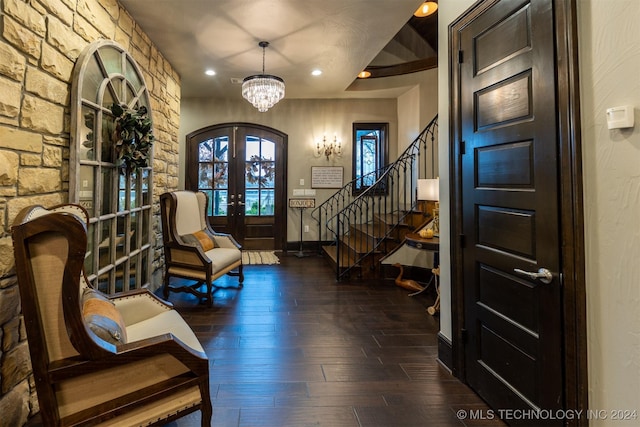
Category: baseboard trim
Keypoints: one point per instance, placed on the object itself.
(445, 352)
(310, 246)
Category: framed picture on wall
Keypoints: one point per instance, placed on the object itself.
(327, 176)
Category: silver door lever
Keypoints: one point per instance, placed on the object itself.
(543, 274)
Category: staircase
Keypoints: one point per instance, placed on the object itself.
(356, 232)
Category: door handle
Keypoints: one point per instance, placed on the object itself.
(543, 274)
(241, 203)
(231, 204)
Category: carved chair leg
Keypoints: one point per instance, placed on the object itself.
(207, 413)
(238, 272)
(207, 410)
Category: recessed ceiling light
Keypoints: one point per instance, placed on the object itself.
(316, 72)
(210, 72)
(427, 8)
(364, 74)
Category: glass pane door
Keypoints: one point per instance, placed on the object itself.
(241, 169)
(213, 174)
(260, 173)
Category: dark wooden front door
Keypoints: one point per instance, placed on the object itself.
(509, 191)
(242, 170)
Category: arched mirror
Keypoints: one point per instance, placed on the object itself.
(120, 249)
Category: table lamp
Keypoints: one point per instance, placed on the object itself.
(429, 189)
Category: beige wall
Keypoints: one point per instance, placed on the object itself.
(447, 12)
(429, 98)
(416, 108)
(609, 51)
(408, 118)
(39, 44)
(609, 40)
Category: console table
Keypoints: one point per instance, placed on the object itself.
(433, 245)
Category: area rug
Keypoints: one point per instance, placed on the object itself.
(259, 258)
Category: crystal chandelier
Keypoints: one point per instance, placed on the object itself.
(263, 90)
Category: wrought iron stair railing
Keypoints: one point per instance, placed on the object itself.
(355, 230)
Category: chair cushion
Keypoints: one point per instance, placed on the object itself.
(201, 238)
(167, 322)
(102, 317)
(223, 257)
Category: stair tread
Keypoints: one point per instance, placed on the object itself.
(412, 220)
(375, 230)
(391, 218)
(357, 244)
(332, 252)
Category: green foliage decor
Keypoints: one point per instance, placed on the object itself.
(133, 136)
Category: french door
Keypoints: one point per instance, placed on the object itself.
(242, 169)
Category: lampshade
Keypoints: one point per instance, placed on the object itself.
(429, 189)
(263, 91)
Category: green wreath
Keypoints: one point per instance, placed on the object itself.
(133, 136)
(253, 167)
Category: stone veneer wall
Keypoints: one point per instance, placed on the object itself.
(39, 43)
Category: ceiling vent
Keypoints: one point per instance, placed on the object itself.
(236, 81)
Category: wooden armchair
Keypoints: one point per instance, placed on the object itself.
(192, 249)
(122, 360)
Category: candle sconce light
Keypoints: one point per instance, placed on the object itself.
(329, 149)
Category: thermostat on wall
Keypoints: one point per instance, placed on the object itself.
(620, 117)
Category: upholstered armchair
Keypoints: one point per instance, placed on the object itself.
(192, 249)
(123, 360)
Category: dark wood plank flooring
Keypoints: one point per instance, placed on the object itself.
(293, 347)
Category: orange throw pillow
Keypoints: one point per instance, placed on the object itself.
(206, 242)
(201, 238)
(103, 318)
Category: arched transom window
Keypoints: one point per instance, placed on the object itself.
(120, 249)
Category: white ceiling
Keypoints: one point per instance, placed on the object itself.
(340, 37)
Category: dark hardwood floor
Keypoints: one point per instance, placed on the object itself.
(293, 347)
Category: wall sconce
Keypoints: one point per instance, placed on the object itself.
(331, 149)
(429, 189)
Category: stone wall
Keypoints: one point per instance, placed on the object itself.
(39, 43)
